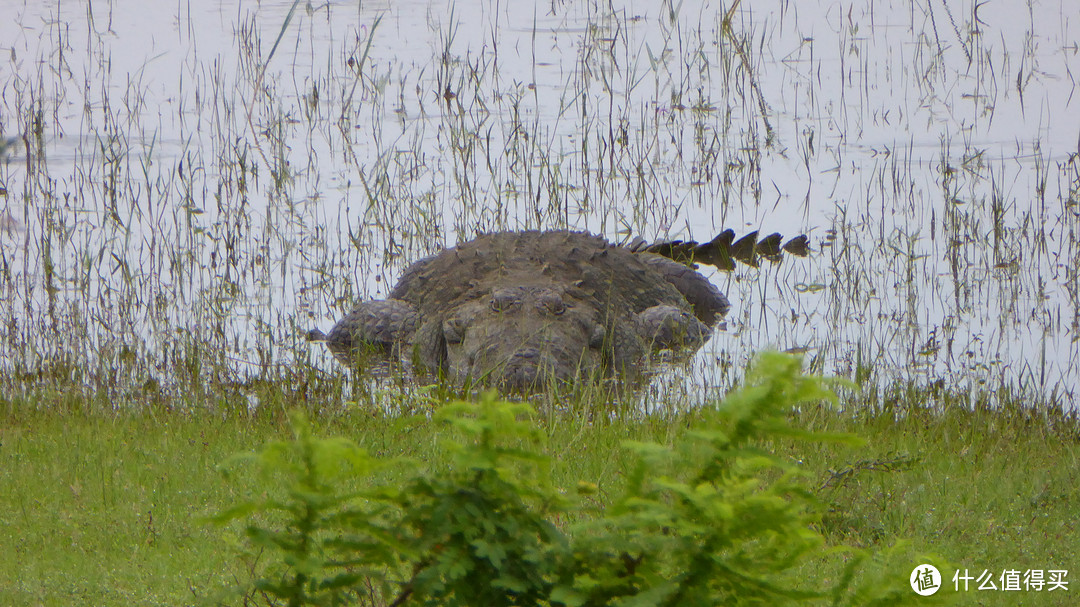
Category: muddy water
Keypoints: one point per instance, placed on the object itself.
(219, 177)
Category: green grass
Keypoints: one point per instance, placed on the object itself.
(985, 489)
(105, 508)
(100, 509)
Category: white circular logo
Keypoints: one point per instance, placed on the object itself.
(925, 580)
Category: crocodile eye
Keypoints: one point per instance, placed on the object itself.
(553, 303)
(504, 299)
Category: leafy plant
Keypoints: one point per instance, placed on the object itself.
(325, 537)
(713, 519)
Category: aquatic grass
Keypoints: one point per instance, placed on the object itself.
(184, 244)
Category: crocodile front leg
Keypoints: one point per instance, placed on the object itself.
(378, 327)
(671, 328)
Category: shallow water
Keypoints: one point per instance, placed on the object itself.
(189, 182)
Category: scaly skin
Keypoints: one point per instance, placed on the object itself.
(529, 310)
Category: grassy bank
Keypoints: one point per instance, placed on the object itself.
(986, 490)
(104, 508)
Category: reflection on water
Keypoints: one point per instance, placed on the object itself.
(217, 178)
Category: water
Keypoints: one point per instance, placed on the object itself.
(193, 192)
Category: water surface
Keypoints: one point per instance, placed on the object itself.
(189, 188)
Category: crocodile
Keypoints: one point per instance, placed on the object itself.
(531, 310)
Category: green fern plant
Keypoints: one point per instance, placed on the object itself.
(714, 519)
(325, 540)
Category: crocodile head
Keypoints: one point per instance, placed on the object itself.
(523, 338)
